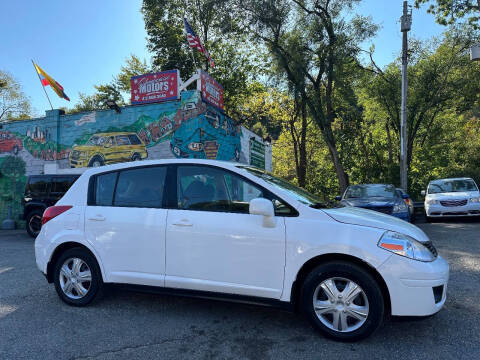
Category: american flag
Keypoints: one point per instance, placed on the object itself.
(195, 43)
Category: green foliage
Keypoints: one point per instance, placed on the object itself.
(447, 12)
(14, 105)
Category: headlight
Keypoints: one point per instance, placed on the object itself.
(399, 207)
(432, 202)
(405, 245)
(475, 199)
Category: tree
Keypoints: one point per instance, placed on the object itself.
(448, 11)
(14, 105)
(311, 42)
(441, 77)
(235, 59)
(99, 99)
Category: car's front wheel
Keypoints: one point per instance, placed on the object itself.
(77, 277)
(96, 161)
(343, 301)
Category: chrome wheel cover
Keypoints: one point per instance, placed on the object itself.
(75, 278)
(340, 304)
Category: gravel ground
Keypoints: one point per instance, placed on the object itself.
(35, 324)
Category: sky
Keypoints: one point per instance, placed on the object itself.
(83, 43)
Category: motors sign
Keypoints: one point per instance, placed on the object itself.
(155, 87)
(212, 91)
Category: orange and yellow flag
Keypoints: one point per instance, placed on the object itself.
(48, 80)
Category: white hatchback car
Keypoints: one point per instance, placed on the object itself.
(230, 230)
(452, 197)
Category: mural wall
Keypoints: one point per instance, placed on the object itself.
(185, 128)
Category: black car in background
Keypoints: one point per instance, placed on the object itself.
(42, 191)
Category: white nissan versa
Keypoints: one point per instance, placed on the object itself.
(225, 229)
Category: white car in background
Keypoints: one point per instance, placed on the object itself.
(452, 197)
(230, 230)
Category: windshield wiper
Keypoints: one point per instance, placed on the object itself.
(319, 205)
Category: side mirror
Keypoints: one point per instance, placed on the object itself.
(260, 206)
(405, 196)
(338, 198)
(423, 192)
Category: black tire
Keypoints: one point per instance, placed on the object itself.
(96, 160)
(429, 219)
(34, 222)
(15, 150)
(136, 157)
(352, 272)
(95, 288)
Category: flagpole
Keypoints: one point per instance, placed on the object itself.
(191, 49)
(43, 87)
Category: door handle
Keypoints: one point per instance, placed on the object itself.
(183, 222)
(97, 218)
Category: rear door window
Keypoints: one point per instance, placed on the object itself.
(141, 187)
(104, 187)
(122, 140)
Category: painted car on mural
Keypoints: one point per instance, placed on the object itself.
(9, 143)
(207, 137)
(108, 148)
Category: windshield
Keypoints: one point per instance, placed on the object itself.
(443, 186)
(298, 193)
(366, 191)
(96, 140)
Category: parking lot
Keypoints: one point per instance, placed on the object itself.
(35, 324)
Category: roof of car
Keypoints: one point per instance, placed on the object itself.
(459, 178)
(115, 133)
(126, 165)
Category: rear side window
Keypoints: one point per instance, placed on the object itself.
(104, 187)
(37, 186)
(141, 187)
(134, 140)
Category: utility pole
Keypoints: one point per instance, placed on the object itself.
(406, 23)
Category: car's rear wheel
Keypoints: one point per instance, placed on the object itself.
(136, 157)
(343, 301)
(34, 222)
(77, 277)
(96, 161)
(15, 150)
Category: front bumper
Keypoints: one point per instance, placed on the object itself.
(416, 288)
(402, 215)
(437, 210)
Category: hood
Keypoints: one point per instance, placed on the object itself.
(453, 195)
(370, 202)
(370, 218)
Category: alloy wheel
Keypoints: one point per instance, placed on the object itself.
(340, 304)
(75, 278)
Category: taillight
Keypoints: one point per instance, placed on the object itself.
(54, 211)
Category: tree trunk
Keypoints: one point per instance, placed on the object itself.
(332, 148)
(302, 149)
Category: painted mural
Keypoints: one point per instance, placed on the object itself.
(186, 128)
